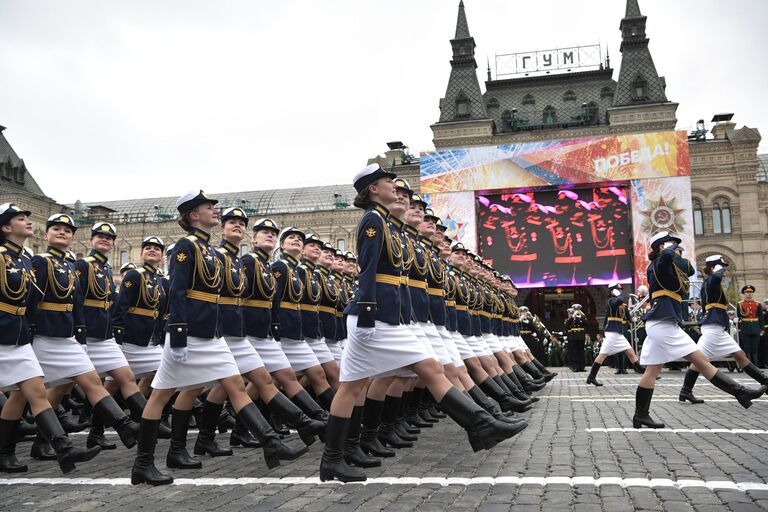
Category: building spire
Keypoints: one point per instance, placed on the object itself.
(462, 28)
(488, 60)
(633, 9)
(638, 80)
(463, 99)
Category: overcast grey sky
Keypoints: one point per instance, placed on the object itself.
(113, 99)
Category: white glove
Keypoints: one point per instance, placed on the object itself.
(179, 354)
(365, 333)
(615, 293)
(718, 268)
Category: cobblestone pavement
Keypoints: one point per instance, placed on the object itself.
(577, 454)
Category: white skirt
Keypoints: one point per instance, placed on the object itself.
(716, 343)
(614, 343)
(465, 351)
(450, 346)
(61, 359)
(17, 364)
(334, 347)
(666, 342)
(271, 354)
(493, 342)
(245, 355)
(208, 361)
(418, 331)
(299, 354)
(478, 346)
(436, 341)
(518, 343)
(391, 347)
(320, 349)
(142, 360)
(105, 355)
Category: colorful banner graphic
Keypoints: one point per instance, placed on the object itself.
(661, 204)
(557, 162)
(457, 210)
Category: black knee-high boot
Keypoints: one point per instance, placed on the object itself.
(592, 378)
(529, 385)
(484, 432)
(412, 409)
(743, 394)
(353, 455)
(67, 421)
(8, 461)
(274, 449)
(484, 401)
(433, 406)
(113, 416)
(294, 417)
(753, 371)
(504, 398)
(402, 428)
(369, 440)
(686, 392)
(516, 391)
(424, 404)
(66, 453)
(96, 435)
(404, 411)
(642, 417)
(311, 408)
(178, 456)
(326, 398)
(387, 434)
(332, 465)
(534, 372)
(519, 390)
(144, 470)
(206, 437)
(543, 369)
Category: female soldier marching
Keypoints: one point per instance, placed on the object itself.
(378, 343)
(195, 353)
(19, 368)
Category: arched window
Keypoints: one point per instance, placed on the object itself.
(721, 217)
(606, 92)
(698, 219)
(569, 96)
(528, 100)
(492, 103)
(549, 117)
(725, 212)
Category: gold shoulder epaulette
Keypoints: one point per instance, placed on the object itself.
(191, 238)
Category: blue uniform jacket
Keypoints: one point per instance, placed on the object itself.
(230, 310)
(435, 285)
(380, 257)
(310, 300)
(258, 294)
(95, 275)
(417, 275)
(667, 284)
(193, 292)
(615, 311)
(328, 299)
(713, 301)
(286, 317)
(463, 304)
(16, 267)
(136, 312)
(341, 305)
(58, 310)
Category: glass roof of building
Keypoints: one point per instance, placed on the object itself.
(255, 203)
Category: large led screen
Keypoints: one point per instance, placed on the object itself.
(557, 237)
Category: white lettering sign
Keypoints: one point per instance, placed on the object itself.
(546, 61)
